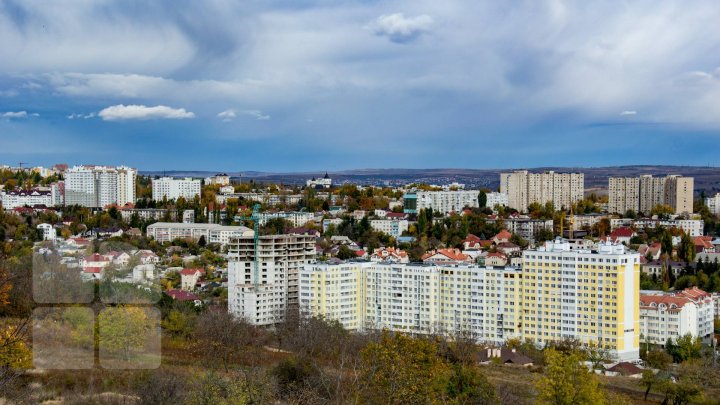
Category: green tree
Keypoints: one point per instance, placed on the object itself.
(345, 253)
(178, 323)
(482, 199)
(686, 249)
(467, 385)
(567, 381)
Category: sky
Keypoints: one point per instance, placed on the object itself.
(301, 85)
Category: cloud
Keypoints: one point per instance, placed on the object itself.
(227, 115)
(628, 112)
(257, 114)
(79, 116)
(15, 114)
(122, 112)
(399, 28)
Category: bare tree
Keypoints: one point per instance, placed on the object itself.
(220, 336)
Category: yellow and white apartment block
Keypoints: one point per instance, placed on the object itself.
(593, 296)
(559, 293)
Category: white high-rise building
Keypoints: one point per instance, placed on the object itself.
(494, 199)
(524, 188)
(99, 186)
(265, 297)
(172, 189)
(623, 194)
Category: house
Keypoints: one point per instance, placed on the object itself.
(189, 278)
(148, 257)
(625, 369)
(94, 263)
(78, 242)
(508, 248)
(389, 255)
(703, 244)
(655, 267)
(504, 356)
(496, 259)
(473, 242)
(143, 272)
(446, 256)
(654, 250)
(361, 254)
(106, 232)
(180, 295)
(622, 235)
(118, 258)
(502, 237)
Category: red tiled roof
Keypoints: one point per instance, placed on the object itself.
(622, 232)
(472, 238)
(360, 253)
(504, 234)
(625, 368)
(646, 301)
(190, 272)
(96, 257)
(452, 254)
(93, 270)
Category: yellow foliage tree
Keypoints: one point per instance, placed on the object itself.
(14, 353)
(567, 381)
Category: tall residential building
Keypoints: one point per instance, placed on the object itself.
(524, 188)
(172, 189)
(623, 194)
(440, 201)
(265, 300)
(414, 298)
(99, 186)
(581, 294)
(713, 204)
(642, 194)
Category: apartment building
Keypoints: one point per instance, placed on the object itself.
(525, 226)
(692, 227)
(297, 218)
(145, 214)
(264, 297)
(443, 202)
(623, 194)
(642, 193)
(494, 199)
(172, 189)
(587, 295)
(713, 204)
(392, 227)
(100, 186)
(21, 198)
(670, 315)
(213, 233)
(523, 188)
(412, 298)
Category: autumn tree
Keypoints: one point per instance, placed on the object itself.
(123, 330)
(400, 369)
(567, 381)
(220, 336)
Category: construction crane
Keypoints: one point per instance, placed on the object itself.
(255, 217)
(20, 164)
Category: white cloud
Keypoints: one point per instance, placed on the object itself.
(227, 115)
(257, 114)
(15, 114)
(122, 112)
(628, 112)
(79, 116)
(399, 28)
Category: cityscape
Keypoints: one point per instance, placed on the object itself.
(359, 202)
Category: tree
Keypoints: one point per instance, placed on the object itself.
(401, 370)
(686, 249)
(685, 348)
(345, 253)
(567, 381)
(482, 199)
(220, 336)
(648, 380)
(123, 329)
(667, 246)
(178, 323)
(467, 386)
(202, 242)
(658, 359)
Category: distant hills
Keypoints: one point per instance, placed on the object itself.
(706, 178)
